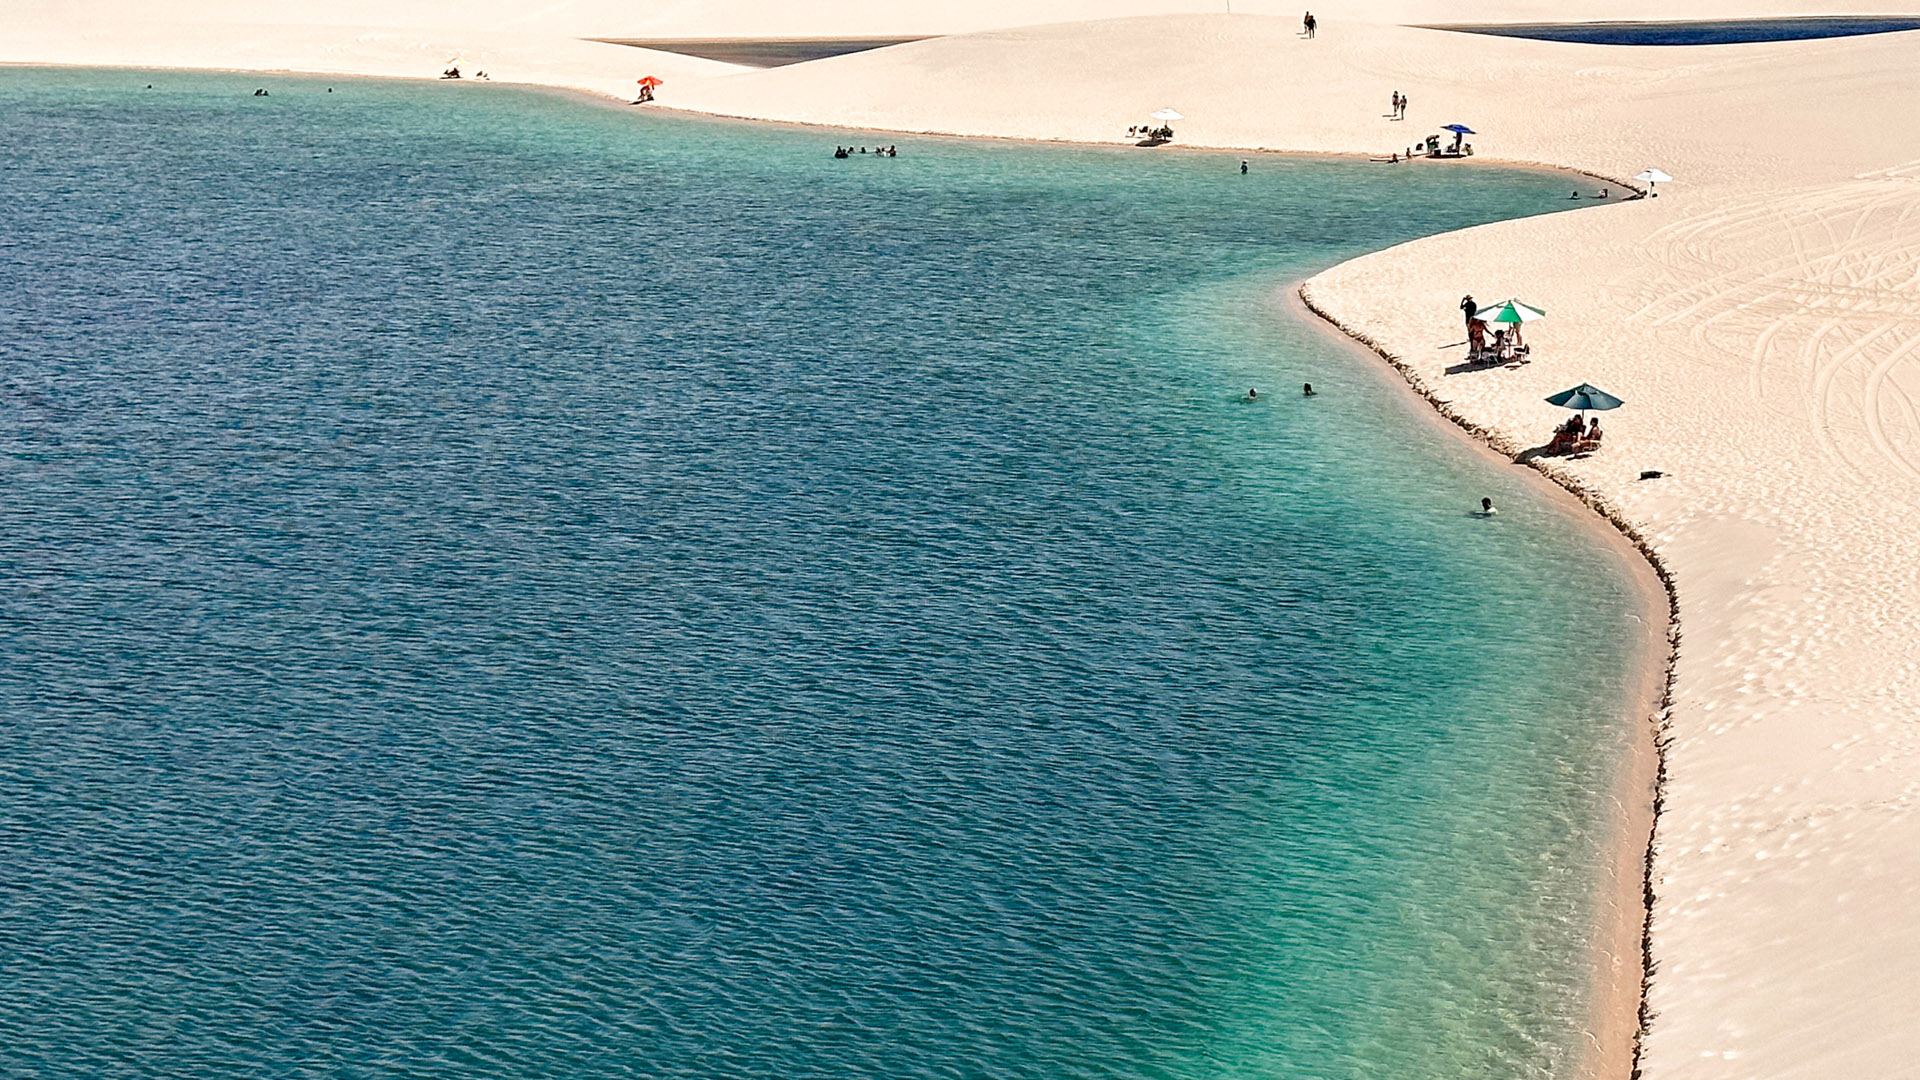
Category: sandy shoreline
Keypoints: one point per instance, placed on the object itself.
(1617, 1009)
(1761, 317)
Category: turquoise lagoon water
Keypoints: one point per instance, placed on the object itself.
(500, 586)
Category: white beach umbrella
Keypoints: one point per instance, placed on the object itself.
(1167, 115)
(1652, 177)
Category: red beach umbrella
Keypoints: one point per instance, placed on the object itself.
(650, 81)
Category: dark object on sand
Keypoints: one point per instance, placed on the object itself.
(1652, 474)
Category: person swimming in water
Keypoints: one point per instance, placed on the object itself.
(1486, 508)
(1253, 395)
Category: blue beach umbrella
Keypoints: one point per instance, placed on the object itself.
(1460, 133)
(1584, 397)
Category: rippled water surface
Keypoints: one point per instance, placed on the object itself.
(492, 585)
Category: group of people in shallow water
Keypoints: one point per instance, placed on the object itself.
(1306, 390)
(878, 151)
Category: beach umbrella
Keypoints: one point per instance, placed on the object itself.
(1584, 397)
(1460, 133)
(1513, 311)
(651, 80)
(1167, 115)
(1652, 177)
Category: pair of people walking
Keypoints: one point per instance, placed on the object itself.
(1399, 105)
(1309, 24)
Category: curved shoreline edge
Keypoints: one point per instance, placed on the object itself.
(1657, 720)
(1657, 723)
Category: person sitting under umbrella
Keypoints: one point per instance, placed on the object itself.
(1510, 314)
(1576, 435)
(1568, 436)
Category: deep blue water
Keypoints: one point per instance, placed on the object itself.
(1698, 32)
(492, 585)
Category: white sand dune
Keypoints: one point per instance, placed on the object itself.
(1761, 318)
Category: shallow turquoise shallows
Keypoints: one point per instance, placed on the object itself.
(497, 586)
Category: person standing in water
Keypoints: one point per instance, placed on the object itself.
(1243, 166)
(1306, 390)
(1486, 508)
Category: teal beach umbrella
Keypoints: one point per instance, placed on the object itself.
(1513, 311)
(1584, 397)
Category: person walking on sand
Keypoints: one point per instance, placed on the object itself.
(1308, 25)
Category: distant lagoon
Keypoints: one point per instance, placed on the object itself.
(1696, 32)
(499, 585)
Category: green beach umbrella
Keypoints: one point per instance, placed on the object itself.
(1513, 311)
(1584, 397)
